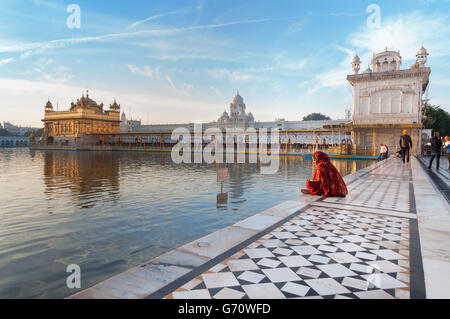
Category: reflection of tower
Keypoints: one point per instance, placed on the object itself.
(348, 114)
(240, 176)
(90, 176)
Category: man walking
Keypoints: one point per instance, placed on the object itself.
(405, 145)
(436, 145)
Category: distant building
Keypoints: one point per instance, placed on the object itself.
(15, 129)
(237, 117)
(129, 125)
(83, 118)
(14, 141)
(388, 100)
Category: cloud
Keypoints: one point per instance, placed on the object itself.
(58, 75)
(154, 17)
(406, 32)
(345, 14)
(233, 76)
(216, 91)
(28, 97)
(296, 27)
(169, 80)
(145, 71)
(258, 73)
(28, 48)
(5, 61)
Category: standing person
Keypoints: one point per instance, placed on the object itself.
(386, 154)
(436, 145)
(447, 149)
(327, 181)
(405, 145)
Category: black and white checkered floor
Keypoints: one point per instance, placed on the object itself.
(321, 253)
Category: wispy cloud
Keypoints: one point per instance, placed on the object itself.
(169, 80)
(406, 32)
(61, 43)
(233, 76)
(346, 14)
(57, 76)
(145, 71)
(35, 93)
(5, 61)
(216, 91)
(153, 17)
(296, 26)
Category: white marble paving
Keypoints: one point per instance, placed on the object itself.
(331, 262)
(357, 247)
(263, 291)
(251, 276)
(218, 280)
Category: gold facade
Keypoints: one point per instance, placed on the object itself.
(83, 118)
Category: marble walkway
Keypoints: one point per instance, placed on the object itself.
(378, 242)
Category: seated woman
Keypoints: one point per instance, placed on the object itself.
(327, 181)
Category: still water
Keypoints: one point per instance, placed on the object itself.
(110, 211)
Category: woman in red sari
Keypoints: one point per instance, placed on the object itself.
(327, 181)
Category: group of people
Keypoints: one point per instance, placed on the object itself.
(405, 147)
(327, 181)
(436, 147)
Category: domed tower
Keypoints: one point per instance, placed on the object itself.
(48, 106)
(114, 107)
(356, 64)
(86, 103)
(237, 107)
(224, 118)
(386, 61)
(422, 57)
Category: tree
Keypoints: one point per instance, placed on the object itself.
(436, 118)
(316, 117)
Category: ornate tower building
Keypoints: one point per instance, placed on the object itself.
(80, 122)
(237, 117)
(387, 100)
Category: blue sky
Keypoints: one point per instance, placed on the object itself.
(180, 61)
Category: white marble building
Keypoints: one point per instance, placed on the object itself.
(129, 125)
(238, 117)
(388, 99)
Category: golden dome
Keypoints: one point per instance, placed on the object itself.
(114, 106)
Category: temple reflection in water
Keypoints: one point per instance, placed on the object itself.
(90, 176)
(93, 177)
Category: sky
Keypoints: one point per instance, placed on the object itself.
(183, 61)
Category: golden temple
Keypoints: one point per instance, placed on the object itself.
(84, 117)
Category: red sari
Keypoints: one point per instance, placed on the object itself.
(327, 181)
